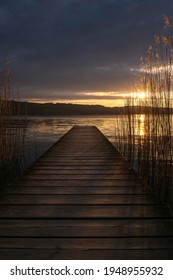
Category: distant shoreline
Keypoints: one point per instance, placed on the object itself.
(71, 116)
(63, 109)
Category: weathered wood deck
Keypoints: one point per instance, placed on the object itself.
(81, 200)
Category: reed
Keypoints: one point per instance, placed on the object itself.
(12, 130)
(146, 140)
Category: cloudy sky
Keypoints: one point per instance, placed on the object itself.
(80, 51)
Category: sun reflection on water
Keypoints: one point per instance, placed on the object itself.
(141, 125)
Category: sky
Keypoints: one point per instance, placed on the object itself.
(78, 51)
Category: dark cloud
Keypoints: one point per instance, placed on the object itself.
(61, 46)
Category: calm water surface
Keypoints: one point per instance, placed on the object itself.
(43, 132)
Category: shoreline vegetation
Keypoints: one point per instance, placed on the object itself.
(12, 131)
(146, 139)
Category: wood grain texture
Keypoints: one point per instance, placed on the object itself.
(86, 199)
(86, 254)
(82, 200)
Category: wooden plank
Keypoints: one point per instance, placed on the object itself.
(95, 153)
(78, 183)
(103, 168)
(81, 211)
(73, 171)
(79, 162)
(132, 230)
(78, 199)
(73, 190)
(67, 157)
(83, 158)
(163, 223)
(80, 177)
(88, 243)
(76, 254)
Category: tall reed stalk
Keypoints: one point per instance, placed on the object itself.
(146, 130)
(12, 130)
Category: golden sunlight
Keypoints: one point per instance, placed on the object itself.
(141, 127)
(138, 95)
(141, 95)
(142, 118)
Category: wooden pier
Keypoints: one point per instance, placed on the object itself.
(82, 200)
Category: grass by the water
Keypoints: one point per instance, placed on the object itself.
(12, 130)
(146, 139)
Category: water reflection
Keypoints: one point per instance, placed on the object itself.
(141, 125)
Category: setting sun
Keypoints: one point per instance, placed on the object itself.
(141, 95)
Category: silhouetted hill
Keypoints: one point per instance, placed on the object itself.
(77, 109)
(65, 109)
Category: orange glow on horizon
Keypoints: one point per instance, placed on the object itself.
(107, 99)
(104, 102)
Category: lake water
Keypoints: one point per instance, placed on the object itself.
(43, 132)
